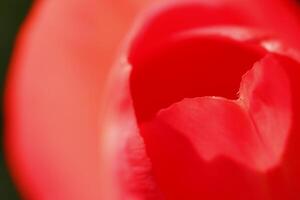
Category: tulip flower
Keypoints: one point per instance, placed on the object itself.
(195, 100)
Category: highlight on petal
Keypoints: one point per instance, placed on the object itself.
(275, 16)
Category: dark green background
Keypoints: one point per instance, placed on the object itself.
(12, 14)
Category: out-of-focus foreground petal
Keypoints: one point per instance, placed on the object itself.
(54, 92)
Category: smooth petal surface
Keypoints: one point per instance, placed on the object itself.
(274, 16)
(54, 93)
(215, 148)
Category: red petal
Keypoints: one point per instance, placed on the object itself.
(213, 148)
(183, 65)
(54, 96)
(275, 16)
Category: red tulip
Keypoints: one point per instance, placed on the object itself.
(150, 128)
